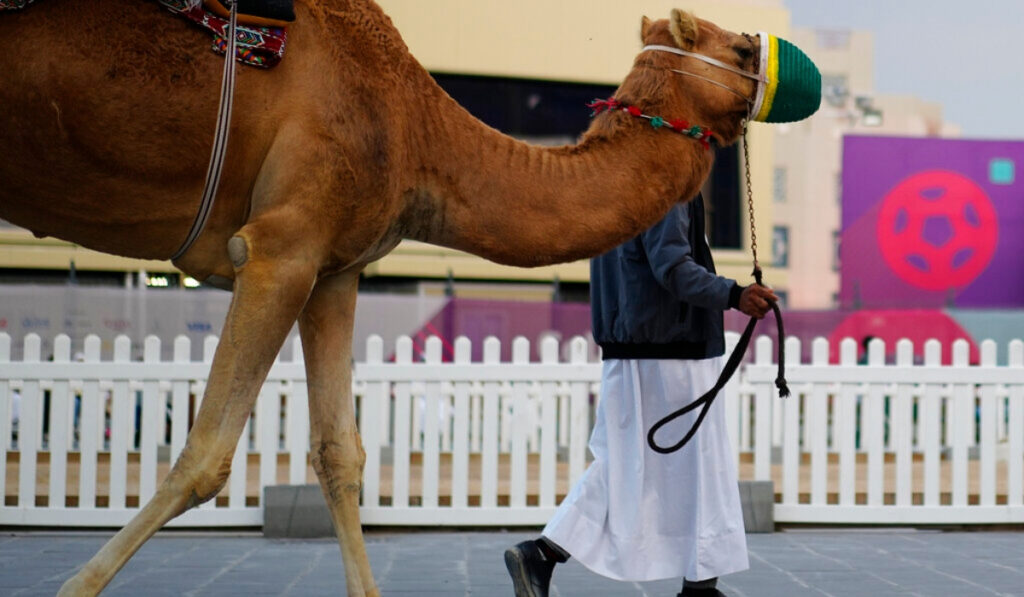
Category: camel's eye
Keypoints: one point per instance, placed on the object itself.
(744, 52)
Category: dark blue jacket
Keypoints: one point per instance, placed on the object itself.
(657, 296)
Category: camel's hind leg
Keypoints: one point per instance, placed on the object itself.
(271, 287)
(326, 329)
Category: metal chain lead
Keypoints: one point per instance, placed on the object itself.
(750, 197)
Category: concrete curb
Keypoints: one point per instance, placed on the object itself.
(299, 511)
(758, 501)
(295, 512)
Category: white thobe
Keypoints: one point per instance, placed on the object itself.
(638, 515)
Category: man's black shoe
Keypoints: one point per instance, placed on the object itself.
(691, 592)
(529, 569)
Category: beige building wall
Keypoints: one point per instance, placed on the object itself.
(808, 168)
(567, 40)
(592, 41)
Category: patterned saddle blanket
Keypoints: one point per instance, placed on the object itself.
(260, 42)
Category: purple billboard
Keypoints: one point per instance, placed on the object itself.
(932, 223)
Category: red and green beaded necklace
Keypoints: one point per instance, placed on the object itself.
(678, 125)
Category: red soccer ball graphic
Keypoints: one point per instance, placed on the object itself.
(937, 230)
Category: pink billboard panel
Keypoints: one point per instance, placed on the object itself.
(932, 223)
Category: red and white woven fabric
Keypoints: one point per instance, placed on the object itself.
(257, 46)
(14, 4)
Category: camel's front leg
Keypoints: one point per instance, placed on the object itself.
(271, 286)
(326, 329)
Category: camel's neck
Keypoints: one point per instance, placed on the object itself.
(483, 192)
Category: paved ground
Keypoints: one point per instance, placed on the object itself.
(437, 564)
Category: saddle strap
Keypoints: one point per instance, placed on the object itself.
(220, 137)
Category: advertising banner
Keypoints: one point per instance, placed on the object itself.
(932, 223)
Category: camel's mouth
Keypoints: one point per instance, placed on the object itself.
(755, 45)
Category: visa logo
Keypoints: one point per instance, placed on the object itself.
(199, 326)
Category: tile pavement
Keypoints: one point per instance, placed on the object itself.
(839, 563)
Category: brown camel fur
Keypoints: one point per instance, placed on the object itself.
(335, 156)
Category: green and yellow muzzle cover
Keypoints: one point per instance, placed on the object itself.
(791, 87)
(788, 82)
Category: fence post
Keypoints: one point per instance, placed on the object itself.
(29, 428)
(763, 414)
(987, 495)
(846, 419)
(180, 394)
(816, 407)
(549, 427)
(520, 420)
(59, 443)
(931, 405)
(903, 427)
(6, 415)
(460, 444)
(489, 457)
(153, 407)
(120, 423)
(400, 468)
(791, 450)
(875, 431)
(1015, 483)
(431, 422)
(369, 411)
(962, 410)
(89, 429)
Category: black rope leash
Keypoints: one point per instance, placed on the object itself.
(705, 401)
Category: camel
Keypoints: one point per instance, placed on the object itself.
(336, 155)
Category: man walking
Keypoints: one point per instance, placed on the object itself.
(637, 515)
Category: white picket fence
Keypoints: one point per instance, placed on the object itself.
(498, 443)
(118, 415)
(930, 413)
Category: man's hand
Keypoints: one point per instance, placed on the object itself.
(754, 300)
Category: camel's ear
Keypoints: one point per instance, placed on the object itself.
(645, 26)
(684, 28)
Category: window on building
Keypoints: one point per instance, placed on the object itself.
(836, 240)
(835, 88)
(526, 107)
(780, 246)
(779, 184)
(723, 199)
(833, 39)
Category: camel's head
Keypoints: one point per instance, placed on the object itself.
(693, 69)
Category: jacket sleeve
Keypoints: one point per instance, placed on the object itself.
(672, 263)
